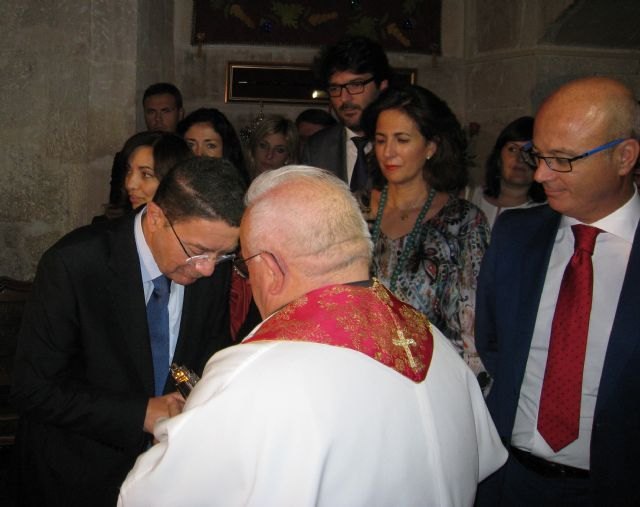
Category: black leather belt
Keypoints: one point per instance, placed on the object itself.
(547, 468)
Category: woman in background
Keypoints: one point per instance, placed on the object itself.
(428, 242)
(209, 133)
(148, 157)
(274, 144)
(509, 180)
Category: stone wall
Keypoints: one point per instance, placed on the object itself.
(67, 84)
(155, 60)
(509, 69)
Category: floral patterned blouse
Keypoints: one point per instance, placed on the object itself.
(440, 276)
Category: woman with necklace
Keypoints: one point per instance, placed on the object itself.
(428, 243)
(509, 180)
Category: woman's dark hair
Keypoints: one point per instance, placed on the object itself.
(168, 150)
(447, 170)
(520, 129)
(231, 147)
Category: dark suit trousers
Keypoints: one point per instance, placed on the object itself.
(516, 486)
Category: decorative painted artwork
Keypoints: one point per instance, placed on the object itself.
(406, 25)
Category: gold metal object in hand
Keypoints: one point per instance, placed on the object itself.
(184, 379)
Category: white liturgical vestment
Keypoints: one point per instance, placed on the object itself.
(286, 423)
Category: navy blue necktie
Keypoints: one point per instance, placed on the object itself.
(360, 171)
(158, 320)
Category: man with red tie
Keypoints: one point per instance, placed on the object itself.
(557, 323)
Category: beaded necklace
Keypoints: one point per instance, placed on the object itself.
(408, 246)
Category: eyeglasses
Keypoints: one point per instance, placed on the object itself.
(240, 264)
(201, 259)
(353, 87)
(560, 164)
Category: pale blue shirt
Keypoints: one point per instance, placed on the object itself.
(149, 270)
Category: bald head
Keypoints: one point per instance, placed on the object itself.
(596, 102)
(310, 217)
(302, 230)
(598, 117)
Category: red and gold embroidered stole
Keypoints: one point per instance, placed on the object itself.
(370, 320)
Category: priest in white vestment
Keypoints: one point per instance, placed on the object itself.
(343, 396)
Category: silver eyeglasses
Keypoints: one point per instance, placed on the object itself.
(200, 259)
(561, 164)
(353, 87)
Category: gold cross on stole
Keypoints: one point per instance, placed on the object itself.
(404, 343)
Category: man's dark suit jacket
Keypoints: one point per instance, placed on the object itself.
(326, 149)
(509, 290)
(84, 371)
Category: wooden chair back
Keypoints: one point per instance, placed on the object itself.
(13, 296)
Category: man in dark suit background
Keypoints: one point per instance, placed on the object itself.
(585, 145)
(84, 374)
(354, 72)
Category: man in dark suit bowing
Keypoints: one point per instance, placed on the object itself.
(354, 72)
(557, 320)
(113, 305)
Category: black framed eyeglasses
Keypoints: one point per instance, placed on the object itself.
(200, 259)
(355, 87)
(240, 264)
(561, 164)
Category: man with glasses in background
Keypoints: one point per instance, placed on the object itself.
(557, 320)
(354, 72)
(113, 305)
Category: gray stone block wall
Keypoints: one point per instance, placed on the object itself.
(68, 84)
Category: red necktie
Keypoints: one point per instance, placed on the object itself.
(559, 413)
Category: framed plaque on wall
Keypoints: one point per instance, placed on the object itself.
(291, 83)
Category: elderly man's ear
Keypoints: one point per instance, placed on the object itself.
(276, 275)
(273, 275)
